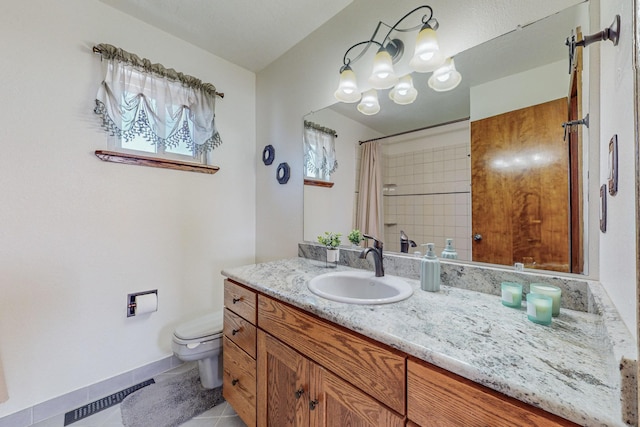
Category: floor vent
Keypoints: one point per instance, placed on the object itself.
(104, 403)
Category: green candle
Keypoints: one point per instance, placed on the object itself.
(539, 308)
(511, 294)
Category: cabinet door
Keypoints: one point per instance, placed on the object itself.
(283, 384)
(336, 403)
(239, 382)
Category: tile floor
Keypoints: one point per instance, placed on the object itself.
(221, 415)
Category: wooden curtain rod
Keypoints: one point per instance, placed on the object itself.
(96, 49)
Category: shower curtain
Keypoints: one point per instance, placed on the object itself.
(369, 211)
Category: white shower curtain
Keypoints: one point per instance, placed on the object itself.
(369, 211)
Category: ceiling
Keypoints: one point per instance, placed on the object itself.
(248, 33)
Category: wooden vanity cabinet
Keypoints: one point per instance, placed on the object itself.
(296, 369)
(366, 364)
(239, 351)
(439, 398)
(295, 391)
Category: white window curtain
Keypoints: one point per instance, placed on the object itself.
(137, 97)
(319, 151)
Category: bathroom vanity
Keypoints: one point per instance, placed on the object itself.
(455, 357)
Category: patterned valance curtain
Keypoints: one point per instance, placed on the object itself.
(319, 151)
(137, 97)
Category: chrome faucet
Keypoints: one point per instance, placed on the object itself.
(377, 255)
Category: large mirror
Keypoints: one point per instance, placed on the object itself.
(437, 154)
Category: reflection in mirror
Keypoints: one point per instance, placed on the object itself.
(485, 164)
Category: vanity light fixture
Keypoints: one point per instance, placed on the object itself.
(427, 57)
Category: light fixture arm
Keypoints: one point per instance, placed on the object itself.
(425, 21)
(394, 46)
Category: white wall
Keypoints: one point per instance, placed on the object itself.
(78, 234)
(531, 87)
(332, 209)
(305, 78)
(618, 245)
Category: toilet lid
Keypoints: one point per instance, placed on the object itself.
(209, 324)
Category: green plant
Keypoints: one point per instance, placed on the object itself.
(355, 237)
(330, 240)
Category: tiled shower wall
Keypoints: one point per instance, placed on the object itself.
(428, 195)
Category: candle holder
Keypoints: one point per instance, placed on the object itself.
(551, 291)
(539, 308)
(511, 294)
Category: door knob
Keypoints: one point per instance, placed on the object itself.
(477, 237)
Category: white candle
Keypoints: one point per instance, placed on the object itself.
(552, 291)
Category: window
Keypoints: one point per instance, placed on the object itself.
(319, 152)
(150, 110)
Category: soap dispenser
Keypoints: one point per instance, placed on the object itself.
(430, 270)
(449, 251)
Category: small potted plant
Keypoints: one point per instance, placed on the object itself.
(331, 241)
(355, 237)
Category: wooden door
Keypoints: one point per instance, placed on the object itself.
(574, 138)
(520, 188)
(337, 403)
(283, 384)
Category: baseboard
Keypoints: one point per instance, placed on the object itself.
(67, 402)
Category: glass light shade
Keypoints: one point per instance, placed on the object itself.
(404, 92)
(445, 78)
(382, 75)
(348, 87)
(369, 104)
(427, 56)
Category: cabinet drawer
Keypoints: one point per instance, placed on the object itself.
(437, 397)
(240, 300)
(378, 371)
(240, 331)
(239, 381)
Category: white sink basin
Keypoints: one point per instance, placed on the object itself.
(360, 287)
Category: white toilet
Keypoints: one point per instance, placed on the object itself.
(201, 339)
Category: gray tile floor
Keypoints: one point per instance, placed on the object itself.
(221, 415)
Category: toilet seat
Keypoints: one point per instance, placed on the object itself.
(203, 328)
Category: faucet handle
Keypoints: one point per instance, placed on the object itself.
(376, 243)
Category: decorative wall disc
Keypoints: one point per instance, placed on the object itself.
(268, 154)
(282, 174)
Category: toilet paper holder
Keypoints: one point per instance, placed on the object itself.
(131, 301)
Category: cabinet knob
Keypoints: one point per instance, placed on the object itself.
(236, 300)
(313, 404)
(235, 331)
(299, 393)
(235, 381)
(477, 237)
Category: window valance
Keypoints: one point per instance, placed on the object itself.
(139, 98)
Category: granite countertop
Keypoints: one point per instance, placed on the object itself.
(565, 368)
